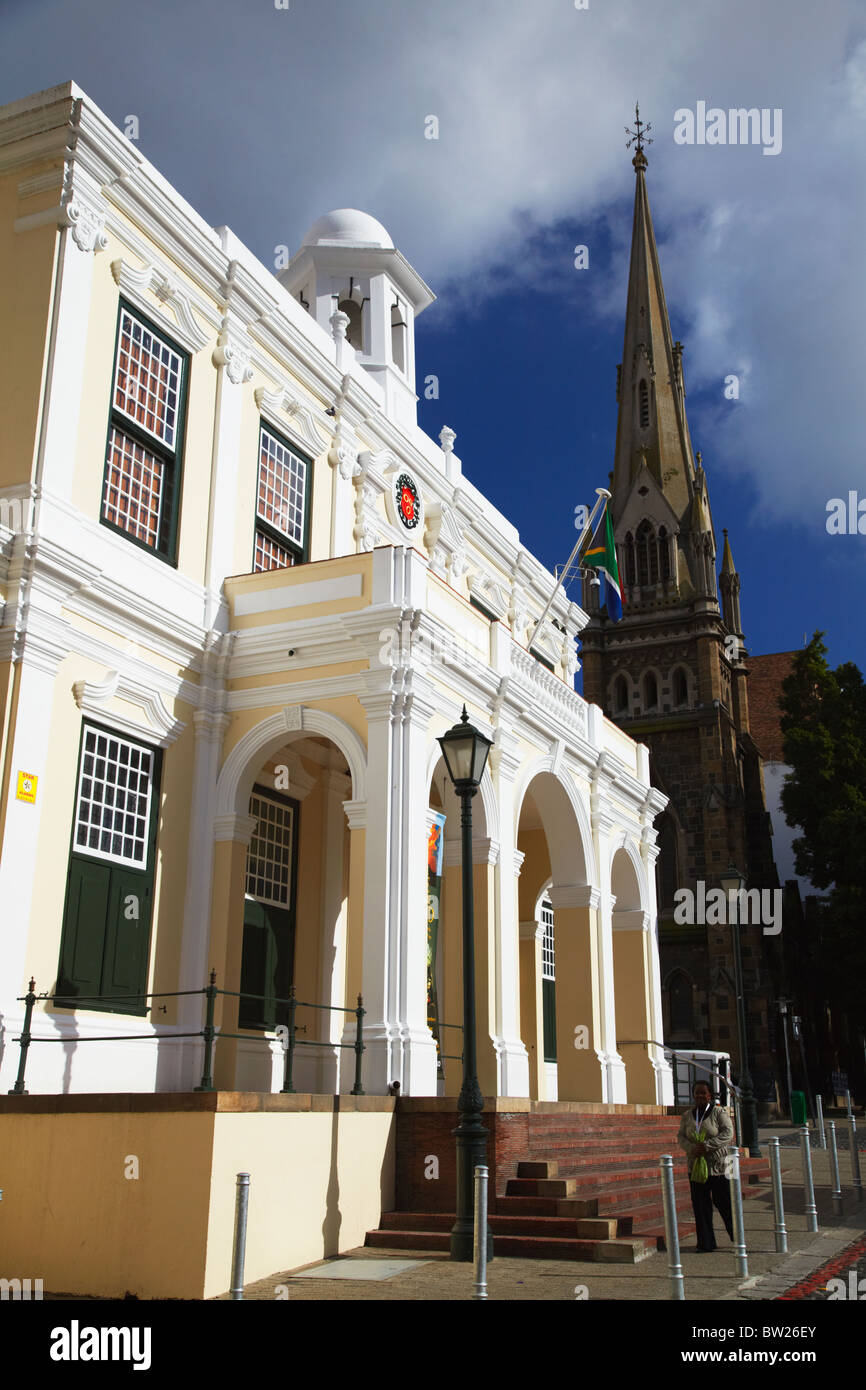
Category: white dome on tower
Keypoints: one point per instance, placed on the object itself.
(348, 227)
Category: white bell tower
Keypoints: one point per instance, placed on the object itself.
(348, 262)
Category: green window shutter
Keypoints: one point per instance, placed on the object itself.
(84, 922)
(105, 942)
(548, 1003)
(127, 934)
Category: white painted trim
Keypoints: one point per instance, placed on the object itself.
(299, 595)
(92, 697)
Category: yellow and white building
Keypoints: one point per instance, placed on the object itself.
(242, 594)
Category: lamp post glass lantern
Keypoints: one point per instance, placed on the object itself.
(733, 883)
(465, 751)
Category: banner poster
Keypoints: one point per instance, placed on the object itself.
(435, 850)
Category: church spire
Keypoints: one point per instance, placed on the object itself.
(652, 427)
(729, 585)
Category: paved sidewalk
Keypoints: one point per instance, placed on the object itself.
(706, 1276)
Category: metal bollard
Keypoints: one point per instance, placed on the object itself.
(479, 1234)
(808, 1185)
(855, 1156)
(240, 1245)
(822, 1138)
(834, 1170)
(737, 1117)
(672, 1240)
(848, 1105)
(780, 1230)
(737, 1214)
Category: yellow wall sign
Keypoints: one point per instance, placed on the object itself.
(26, 786)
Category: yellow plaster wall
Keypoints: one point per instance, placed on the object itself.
(28, 265)
(318, 1182)
(70, 1217)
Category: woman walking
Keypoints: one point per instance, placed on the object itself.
(705, 1132)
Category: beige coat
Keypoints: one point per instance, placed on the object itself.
(717, 1132)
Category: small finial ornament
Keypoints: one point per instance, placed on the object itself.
(638, 137)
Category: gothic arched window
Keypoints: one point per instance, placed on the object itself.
(680, 687)
(664, 555)
(643, 404)
(647, 555)
(650, 691)
(620, 695)
(630, 572)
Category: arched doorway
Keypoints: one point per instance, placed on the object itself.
(288, 900)
(558, 913)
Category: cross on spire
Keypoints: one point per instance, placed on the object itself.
(638, 137)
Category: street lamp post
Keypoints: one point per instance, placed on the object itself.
(783, 1010)
(732, 882)
(465, 751)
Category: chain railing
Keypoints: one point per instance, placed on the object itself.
(286, 1033)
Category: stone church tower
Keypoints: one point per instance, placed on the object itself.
(674, 674)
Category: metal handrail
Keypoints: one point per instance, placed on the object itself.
(210, 1033)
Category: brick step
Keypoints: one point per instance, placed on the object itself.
(602, 1143)
(529, 1246)
(593, 1184)
(548, 1223)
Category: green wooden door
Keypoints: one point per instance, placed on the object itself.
(268, 956)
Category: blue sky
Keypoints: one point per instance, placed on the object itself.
(265, 118)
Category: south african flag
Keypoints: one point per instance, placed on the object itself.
(601, 555)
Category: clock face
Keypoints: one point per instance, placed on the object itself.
(407, 501)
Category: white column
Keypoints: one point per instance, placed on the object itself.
(81, 236)
(382, 1060)
(37, 662)
(418, 1046)
(334, 1063)
(511, 1050)
(663, 1074)
(231, 359)
(194, 971)
(603, 824)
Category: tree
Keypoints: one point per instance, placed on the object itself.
(824, 728)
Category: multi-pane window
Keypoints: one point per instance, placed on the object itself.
(548, 955)
(269, 854)
(114, 793)
(142, 467)
(281, 504)
(105, 943)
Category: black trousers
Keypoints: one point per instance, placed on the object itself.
(715, 1190)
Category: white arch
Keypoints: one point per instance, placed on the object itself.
(544, 763)
(624, 841)
(540, 899)
(242, 764)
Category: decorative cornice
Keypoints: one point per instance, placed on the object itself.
(356, 814)
(517, 859)
(92, 697)
(304, 425)
(87, 223)
(631, 919)
(160, 282)
(531, 931)
(233, 352)
(574, 895)
(234, 827)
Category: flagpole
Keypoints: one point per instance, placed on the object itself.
(603, 496)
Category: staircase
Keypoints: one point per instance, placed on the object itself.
(587, 1189)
